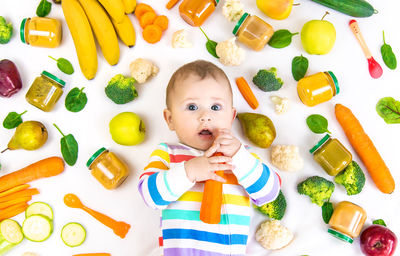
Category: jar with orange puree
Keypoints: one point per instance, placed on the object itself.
(41, 32)
(195, 12)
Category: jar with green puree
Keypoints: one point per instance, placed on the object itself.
(45, 91)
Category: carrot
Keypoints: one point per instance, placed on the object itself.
(171, 3)
(13, 211)
(22, 193)
(152, 33)
(18, 200)
(365, 149)
(44, 168)
(14, 189)
(141, 9)
(161, 21)
(147, 19)
(92, 254)
(246, 92)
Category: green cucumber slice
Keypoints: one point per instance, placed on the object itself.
(37, 227)
(39, 208)
(11, 231)
(73, 234)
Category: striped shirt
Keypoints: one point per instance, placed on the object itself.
(164, 185)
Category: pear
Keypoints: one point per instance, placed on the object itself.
(258, 128)
(29, 135)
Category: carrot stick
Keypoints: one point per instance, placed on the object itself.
(365, 149)
(92, 254)
(171, 4)
(11, 202)
(22, 193)
(14, 189)
(44, 168)
(246, 92)
(13, 211)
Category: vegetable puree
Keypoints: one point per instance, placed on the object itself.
(317, 88)
(195, 12)
(41, 32)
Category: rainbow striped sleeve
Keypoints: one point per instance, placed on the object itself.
(159, 185)
(261, 183)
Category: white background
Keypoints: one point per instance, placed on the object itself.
(358, 91)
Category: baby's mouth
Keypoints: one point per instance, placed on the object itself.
(206, 133)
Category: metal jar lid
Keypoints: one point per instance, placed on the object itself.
(320, 143)
(54, 78)
(95, 155)
(240, 22)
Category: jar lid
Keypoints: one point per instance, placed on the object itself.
(53, 77)
(340, 235)
(320, 143)
(335, 81)
(240, 22)
(216, 2)
(22, 30)
(95, 155)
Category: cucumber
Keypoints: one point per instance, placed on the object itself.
(10, 235)
(355, 8)
(39, 208)
(37, 227)
(73, 234)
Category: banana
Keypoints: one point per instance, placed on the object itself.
(114, 8)
(82, 36)
(125, 31)
(129, 5)
(103, 30)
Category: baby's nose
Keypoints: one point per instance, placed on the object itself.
(205, 117)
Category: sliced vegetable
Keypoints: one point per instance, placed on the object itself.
(355, 8)
(152, 34)
(76, 100)
(37, 228)
(246, 92)
(299, 67)
(317, 123)
(43, 8)
(39, 208)
(171, 4)
(327, 211)
(161, 21)
(9, 203)
(12, 211)
(147, 19)
(389, 109)
(281, 38)
(10, 235)
(22, 193)
(14, 189)
(387, 54)
(69, 147)
(141, 9)
(13, 119)
(73, 234)
(210, 45)
(64, 65)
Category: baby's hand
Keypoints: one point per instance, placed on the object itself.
(227, 143)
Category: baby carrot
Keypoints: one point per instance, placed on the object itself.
(246, 92)
(171, 4)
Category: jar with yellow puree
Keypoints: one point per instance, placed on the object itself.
(41, 31)
(317, 88)
(253, 31)
(45, 91)
(331, 155)
(107, 168)
(347, 221)
(195, 12)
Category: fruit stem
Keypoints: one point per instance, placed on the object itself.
(59, 130)
(326, 13)
(4, 150)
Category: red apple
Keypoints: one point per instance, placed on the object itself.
(10, 81)
(377, 240)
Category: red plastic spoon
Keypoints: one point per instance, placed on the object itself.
(375, 70)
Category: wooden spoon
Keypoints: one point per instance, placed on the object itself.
(120, 228)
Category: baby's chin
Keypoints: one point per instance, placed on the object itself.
(199, 145)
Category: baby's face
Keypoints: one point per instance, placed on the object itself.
(198, 109)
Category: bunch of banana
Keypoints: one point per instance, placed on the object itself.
(105, 19)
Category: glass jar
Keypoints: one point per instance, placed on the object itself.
(317, 88)
(45, 91)
(253, 31)
(195, 12)
(347, 221)
(107, 168)
(331, 155)
(41, 31)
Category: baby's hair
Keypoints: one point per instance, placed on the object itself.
(200, 68)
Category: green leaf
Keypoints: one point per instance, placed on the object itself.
(43, 8)
(327, 210)
(299, 67)
(64, 65)
(379, 222)
(69, 148)
(210, 45)
(281, 38)
(317, 124)
(387, 54)
(12, 120)
(389, 109)
(76, 100)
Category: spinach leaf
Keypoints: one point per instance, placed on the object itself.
(12, 120)
(64, 65)
(69, 148)
(76, 100)
(281, 38)
(387, 54)
(379, 222)
(317, 124)
(327, 210)
(211, 45)
(43, 8)
(299, 67)
(389, 109)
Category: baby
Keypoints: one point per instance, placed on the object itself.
(200, 111)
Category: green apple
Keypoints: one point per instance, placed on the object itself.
(127, 128)
(318, 36)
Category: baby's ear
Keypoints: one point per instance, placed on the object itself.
(234, 112)
(168, 119)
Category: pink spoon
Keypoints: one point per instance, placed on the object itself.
(375, 70)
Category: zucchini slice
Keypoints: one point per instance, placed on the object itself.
(73, 234)
(39, 208)
(37, 227)
(11, 231)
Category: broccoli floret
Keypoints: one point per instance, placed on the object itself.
(121, 89)
(317, 188)
(352, 178)
(267, 81)
(6, 30)
(275, 209)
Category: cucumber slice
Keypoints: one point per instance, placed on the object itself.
(73, 234)
(37, 227)
(39, 208)
(10, 231)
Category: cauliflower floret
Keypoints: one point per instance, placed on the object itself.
(30, 254)
(229, 53)
(142, 69)
(272, 235)
(233, 10)
(286, 157)
(281, 104)
(179, 39)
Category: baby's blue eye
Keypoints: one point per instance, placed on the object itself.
(216, 107)
(192, 107)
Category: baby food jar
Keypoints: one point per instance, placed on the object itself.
(195, 12)
(317, 88)
(40, 31)
(45, 91)
(331, 155)
(107, 168)
(253, 31)
(347, 221)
